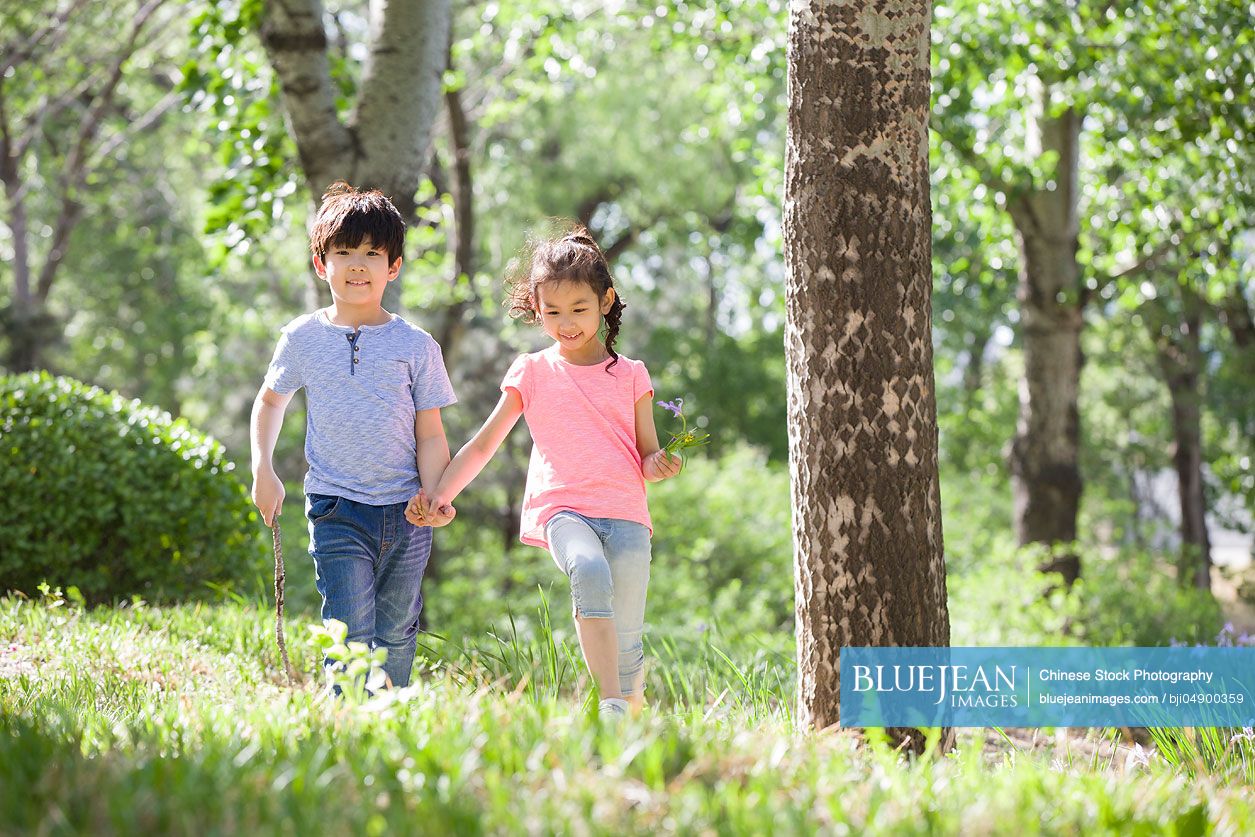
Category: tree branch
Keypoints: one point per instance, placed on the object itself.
(142, 124)
(48, 109)
(76, 160)
(296, 43)
(16, 55)
(967, 152)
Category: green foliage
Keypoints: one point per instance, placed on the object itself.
(113, 496)
(723, 545)
(1020, 613)
(734, 385)
(170, 720)
(1161, 613)
(722, 558)
(229, 81)
(1228, 754)
(356, 669)
(1005, 600)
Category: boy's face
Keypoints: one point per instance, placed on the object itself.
(357, 275)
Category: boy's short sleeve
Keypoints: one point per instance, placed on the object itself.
(284, 373)
(516, 378)
(641, 385)
(431, 388)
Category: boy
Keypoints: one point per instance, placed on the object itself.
(374, 387)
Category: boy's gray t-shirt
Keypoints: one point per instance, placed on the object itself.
(362, 394)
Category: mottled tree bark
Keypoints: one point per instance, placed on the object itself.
(869, 567)
(385, 141)
(1045, 457)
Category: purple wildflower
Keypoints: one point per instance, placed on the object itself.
(675, 407)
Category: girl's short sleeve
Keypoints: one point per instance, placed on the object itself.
(641, 385)
(517, 378)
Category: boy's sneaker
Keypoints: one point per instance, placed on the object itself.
(615, 709)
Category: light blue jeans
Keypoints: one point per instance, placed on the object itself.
(607, 561)
(369, 563)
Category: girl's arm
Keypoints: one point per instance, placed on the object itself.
(656, 465)
(476, 453)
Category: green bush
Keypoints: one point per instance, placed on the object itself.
(114, 497)
(1132, 597)
(723, 544)
(1126, 597)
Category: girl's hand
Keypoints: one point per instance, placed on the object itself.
(661, 465)
(425, 511)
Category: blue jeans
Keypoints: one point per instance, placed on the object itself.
(369, 563)
(607, 561)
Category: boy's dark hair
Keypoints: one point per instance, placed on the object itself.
(347, 217)
(567, 253)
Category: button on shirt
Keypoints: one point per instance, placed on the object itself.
(363, 391)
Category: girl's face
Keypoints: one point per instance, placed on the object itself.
(571, 313)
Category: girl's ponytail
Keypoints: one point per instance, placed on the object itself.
(613, 317)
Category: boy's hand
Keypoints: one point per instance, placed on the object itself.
(423, 511)
(660, 465)
(268, 495)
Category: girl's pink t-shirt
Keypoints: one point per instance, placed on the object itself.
(583, 424)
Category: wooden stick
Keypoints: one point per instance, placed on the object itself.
(279, 584)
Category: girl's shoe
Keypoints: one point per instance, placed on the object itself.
(613, 708)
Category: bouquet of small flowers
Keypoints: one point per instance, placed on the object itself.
(685, 438)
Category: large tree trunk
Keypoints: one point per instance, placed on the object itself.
(862, 408)
(1180, 357)
(1045, 458)
(385, 142)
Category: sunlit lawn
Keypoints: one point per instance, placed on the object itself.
(145, 719)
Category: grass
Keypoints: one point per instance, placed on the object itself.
(142, 719)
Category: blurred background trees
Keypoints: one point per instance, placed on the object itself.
(1092, 257)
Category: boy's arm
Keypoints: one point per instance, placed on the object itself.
(656, 464)
(267, 418)
(476, 453)
(433, 447)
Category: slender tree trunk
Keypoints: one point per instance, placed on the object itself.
(974, 372)
(1045, 457)
(28, 327)
(862, 409)
(1187, 458)
(23, 349)
(1180, 357)
(455, 318)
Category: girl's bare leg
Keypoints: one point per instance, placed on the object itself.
(600, 645)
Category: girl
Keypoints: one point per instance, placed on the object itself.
(595, 446)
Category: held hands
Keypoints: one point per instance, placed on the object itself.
(268, 495)
(424, 511)
(661, 465)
